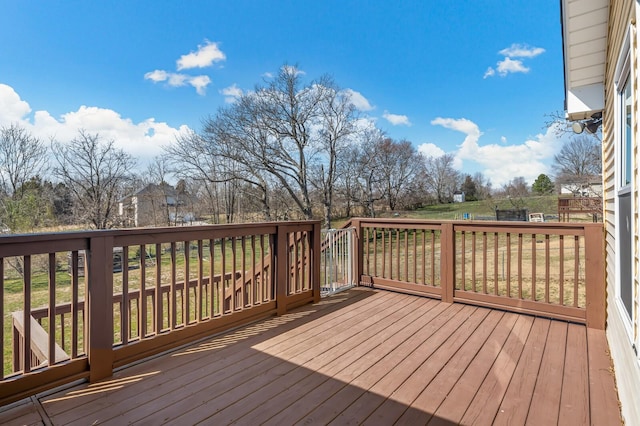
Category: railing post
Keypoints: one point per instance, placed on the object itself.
(99, 258)
(447, 261)
(594, 276)
(315, 261)
(357, 250)
(281, 271)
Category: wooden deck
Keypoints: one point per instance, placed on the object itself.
(363, 356)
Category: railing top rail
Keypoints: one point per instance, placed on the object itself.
(528, 226)
(25, 244)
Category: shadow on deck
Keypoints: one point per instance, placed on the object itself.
(362, 356)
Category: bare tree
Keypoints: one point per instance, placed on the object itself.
(397, 164)
(578, 163)
(336, 119)
(442, 179)
(360, 168)
(94, 171)
(22, 156)
(22, 197)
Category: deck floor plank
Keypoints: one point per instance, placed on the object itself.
(486, 403)
(23, 413)
(517, 399)
(455, 404)
(262, 369)
(408, 378)
(603, 403)
(304, 361)
(407, 319)
(399, 346)
(362, 356)
(545, 402)
(401, 395)
(193, 368)
(278, 329)
(420, 411)
(574, 403)
(399, 364)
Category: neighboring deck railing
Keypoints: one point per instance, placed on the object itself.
(550, 269)
(235, 274)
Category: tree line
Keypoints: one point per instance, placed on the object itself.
(289, 149)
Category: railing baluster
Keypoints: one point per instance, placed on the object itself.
(199, 288)
(495, 263)
(463, 260)
(246, 295)
(158, 292)
(520, 266)
(26, 347)
(173, 292)
(576, 269)
(561, 272)
(74, 304)
(52, 309)
(534, 255)
(223, 277)
(142, 299)
(484, 263)
(212, 284)
(125, 313)
(473, 260)
(508, 277)
(253, 300)
(186, 294)
(547, 266)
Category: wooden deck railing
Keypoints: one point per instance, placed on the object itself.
(57, 327)
(549, 269)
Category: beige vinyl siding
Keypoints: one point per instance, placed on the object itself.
(621, 15)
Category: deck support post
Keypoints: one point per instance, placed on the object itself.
(358, 251)
(281, 262)
(447, 261)
(99, 333)
(315, 261)
(594, 276)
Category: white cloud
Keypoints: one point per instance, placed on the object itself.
(508, 65)
(292, 70)
(396, 120)
(358, 100)
(156, 76)
(143, 140)
(502, 163)
(231, 93)
(430, 150)
(205, 56)
(199, 82)
(503, 139)
(490, 72)
(521, 51)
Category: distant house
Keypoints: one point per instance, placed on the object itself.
(587, 187)
(600, 39)
(155, 205)
(458, 197)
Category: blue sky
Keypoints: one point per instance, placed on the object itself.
(467, 77)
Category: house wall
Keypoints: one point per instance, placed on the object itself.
(620, 333)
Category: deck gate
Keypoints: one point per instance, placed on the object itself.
(338, 260)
